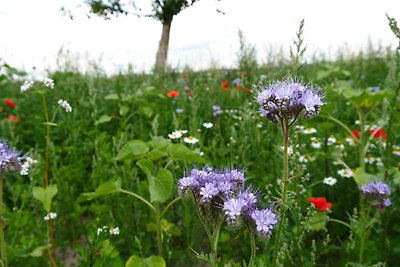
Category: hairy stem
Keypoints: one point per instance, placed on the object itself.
(2, 225)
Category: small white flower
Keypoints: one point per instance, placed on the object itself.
(259, 125)
(26, 165)
(290, 150)
(330, 181)
(303, 159)
(339, 145)
(309, 131)
(396, 150)
(208, 125)
(315, 143)
(175, 135)
(331, 140)
(345, 173)
(190, 140)
(48, 83)
(65, 105)
(114, 231)
(337, 162)
(26, 86)
(350, 140)
(50, 216)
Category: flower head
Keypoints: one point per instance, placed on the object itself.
(173, 94)
(190, 140)
(287, 99)
(329, 181)
(10, 160)
(65, 105)
(233, 209)
(348, 173)
(265, 220)
(208, 125)
(216, 110)
(320, 203)
(378, 193)
(26, 86)
(48, 83)
(10, 103)
(208, 192)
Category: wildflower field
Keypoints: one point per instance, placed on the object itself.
(287, 163)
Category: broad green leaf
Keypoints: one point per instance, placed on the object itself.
(361, 177)
(45, 195)
(39, 251)
(159, 143)
(152, 261)
(170, 228)
(103, 119)
(102, 190)
(318, 221)
(111, 97)
(161, 186)
(146, 166)
(123, 110)
(134, 149)
(156, 154)
(181, 152)
(147, 111)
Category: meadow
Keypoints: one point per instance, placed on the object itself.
(102, 158)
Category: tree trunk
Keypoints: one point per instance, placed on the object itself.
(161, 58)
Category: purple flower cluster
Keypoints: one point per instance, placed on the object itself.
(287, 99)
(224, 191)
(378, 193)
(216, 110)
(10, 160)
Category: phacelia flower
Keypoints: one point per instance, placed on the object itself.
(287, 99)
(173, 94)
(216, 110)
(265, 220)
(10, 103)
(329, 181)
(320, 203)
(208, 192)
(10, 160)
(233, 209)
(65, 105)
(378, 194)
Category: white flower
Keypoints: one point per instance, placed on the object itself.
(337, 162)
(114, 231)
(331, 140)
(339, 145)
(175, 135)
(208, 125)
(259, 125)
(190, 140)
(26, 165)
(290, 150)
(315, 143)
(182, 131)
(396, 150)
(303, 159)
(50, 216)
(26, 86)
(330, 181)
(65, 105)
(309, 131)
(350, 140)
(346, 173)
(48, 83)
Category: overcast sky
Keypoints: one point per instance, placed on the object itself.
(34, 31)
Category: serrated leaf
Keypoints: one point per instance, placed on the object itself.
(45, 195)
(161, 186)
(152, 261)
(134, 149)
(181, 152)
(102, 190)
(103, 119)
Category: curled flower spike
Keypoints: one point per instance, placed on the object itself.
(378, 194)
(287, 100)
(10, 160)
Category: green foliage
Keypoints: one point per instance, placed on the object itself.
(45, 195)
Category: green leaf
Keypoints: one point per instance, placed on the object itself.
(318, 221)
(159, 143)
(361, 177)
(156, 154)
(50, 123)
(123, 110)
(39, 251)
(181, 152)
(147, 111)
(103, 119)
(161, 186)
(111, 97)
(102, 190)
(146, 166)
(45, 195)
(170, 228)
(134, 149)
(152, 261)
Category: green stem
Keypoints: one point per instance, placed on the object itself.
(159, 231)
(152, 208)
(285, 182)
(2, 225)
(339, 221)
(253, 248)
(168, 206)
(215, 236)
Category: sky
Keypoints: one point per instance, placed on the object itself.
(35, 34)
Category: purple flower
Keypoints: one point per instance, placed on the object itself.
(235, 176)
(187, 183)
(179, 110)
(233, 209)
(216, 110)
(287, 99)
(378, 194)
(10, 160)
(225, 187)
(249, 198)
(208, 192)
(265, 220)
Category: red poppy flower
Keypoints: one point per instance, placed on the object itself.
(320, 203)
(379, 133)
(185, 75)
(10, 103)
(225, 85)
(12, 118)
(189, 92)
(173, 94)
(356, 133)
